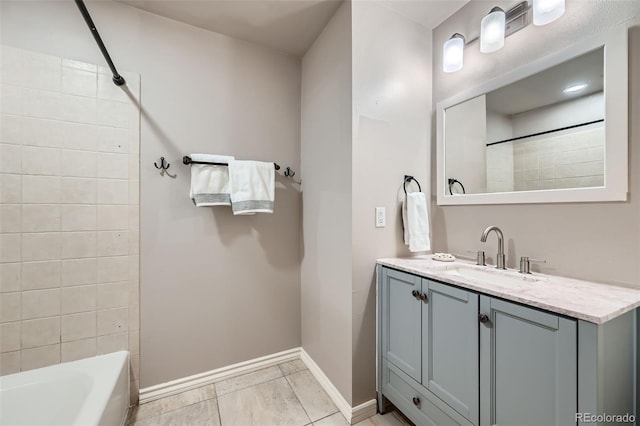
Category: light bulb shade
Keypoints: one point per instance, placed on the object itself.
(492, 31)
(547, 11)
(453, 54)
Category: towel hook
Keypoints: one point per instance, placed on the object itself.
(164, 165)
(408, 178)
(289, 173)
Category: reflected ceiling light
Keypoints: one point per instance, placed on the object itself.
(492, 30)
(453, 53)
(547, 11)
(575, 88)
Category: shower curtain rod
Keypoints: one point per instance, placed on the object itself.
(118, 80)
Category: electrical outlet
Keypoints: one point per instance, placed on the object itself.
(381, 217)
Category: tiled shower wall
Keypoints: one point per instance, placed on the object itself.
(570, 159)
(69, 212)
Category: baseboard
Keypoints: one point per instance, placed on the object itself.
(173, 387)
(352, 414)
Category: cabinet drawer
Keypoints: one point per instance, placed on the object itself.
(401, 389)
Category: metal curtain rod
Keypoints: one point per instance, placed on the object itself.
(118, 80)
(547, 132)
(187, 160)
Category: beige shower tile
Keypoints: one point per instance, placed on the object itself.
(43, 356)
(78, 164)
(10, 336)
(79, 271)
(78, 299)
(78, 218)
(41, 189)
(40, 303)
(10, 277)
(78, 326)
(78, 190)
(11, 129)
(11, 188)
(40, 332)
(78, 245)
(113, 243)
(113, 191)
(111, 321)
(38, 275)
(79, 82)
(9, 363)
(10, 158)
(78, 349)
(113, 295)
(134, 342)
(37, 160)
(111, 139)
(10, 307)
(113, 269)
(10, 218)
(114, 166)
(113, 343)
(113, 218)
(40, 246)
(40, 218)
(10, 248)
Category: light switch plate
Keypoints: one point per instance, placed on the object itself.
(381, 217)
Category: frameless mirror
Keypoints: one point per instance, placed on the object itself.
(552, 131)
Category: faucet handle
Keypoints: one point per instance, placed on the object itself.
(525, 264)
(480, 258)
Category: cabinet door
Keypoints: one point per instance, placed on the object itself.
(528, 366)
(401, 321)
(450, 347)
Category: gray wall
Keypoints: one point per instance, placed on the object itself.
(326, 161)
(391, 103)
(596, 241)
(215, 289)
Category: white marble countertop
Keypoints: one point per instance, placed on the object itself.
(585, 300)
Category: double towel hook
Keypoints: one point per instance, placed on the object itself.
(164, 165)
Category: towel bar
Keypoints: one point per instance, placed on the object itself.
(187, 160)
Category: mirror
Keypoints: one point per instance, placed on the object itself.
(552, 131)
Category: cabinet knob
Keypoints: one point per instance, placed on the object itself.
(416, 401)
(483, 318)
(424, 297)
(416, 294)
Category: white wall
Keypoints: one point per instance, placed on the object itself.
(215, 289)
(391, 128)
(597, 241)
(326, 160)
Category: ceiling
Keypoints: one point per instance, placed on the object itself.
(289, 26)
(546, 87)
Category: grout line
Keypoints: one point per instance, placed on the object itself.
(298, 399)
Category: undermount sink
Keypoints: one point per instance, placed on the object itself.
(487, 275)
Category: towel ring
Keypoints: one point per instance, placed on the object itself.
(453, 181)
(408, 178)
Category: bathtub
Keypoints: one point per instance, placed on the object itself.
(92, 391)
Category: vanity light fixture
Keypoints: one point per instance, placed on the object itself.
(547, 11)
(575, 88)
(492, 30)
(499, 24)
(453, 53)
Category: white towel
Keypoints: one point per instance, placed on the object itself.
(210, 183)
(252, 186)
(415, 218)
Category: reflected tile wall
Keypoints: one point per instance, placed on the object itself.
(69, 243)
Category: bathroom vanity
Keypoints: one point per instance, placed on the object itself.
(460, 344)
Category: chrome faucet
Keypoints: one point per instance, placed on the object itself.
(500, 256)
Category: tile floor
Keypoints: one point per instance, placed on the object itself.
(286, 394)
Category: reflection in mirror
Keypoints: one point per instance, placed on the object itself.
(542, 132)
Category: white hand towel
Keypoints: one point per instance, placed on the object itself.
(252, 186)
(416, 222)
(210, 183)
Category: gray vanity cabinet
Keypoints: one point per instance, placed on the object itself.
(443, 363)
(429, 345)
(528, 366)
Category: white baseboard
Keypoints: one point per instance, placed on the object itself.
(173, 387)
(352, 414)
